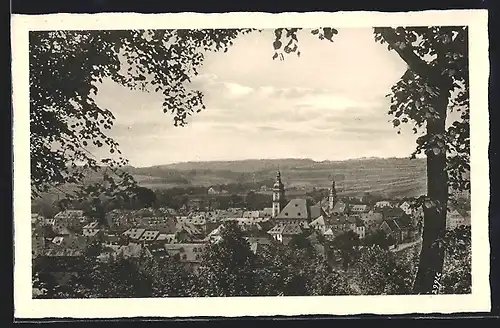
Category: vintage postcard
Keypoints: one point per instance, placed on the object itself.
(250, 164)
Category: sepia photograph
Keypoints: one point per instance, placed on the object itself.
(239, 161)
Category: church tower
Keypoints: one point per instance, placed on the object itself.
(332, 197)
(278, 196)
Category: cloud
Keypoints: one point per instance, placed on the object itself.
(269, 128)
(237, 90)
(332, 101)
(327, 104)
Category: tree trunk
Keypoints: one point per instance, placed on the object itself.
(434, 227)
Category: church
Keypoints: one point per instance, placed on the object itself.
(293, 217)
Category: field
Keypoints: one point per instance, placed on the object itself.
(391, 176)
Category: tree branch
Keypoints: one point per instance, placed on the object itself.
(415, 63)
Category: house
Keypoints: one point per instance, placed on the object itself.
(297, 211)
(168, 211)
(189, 254)
(91, 230)
(360, 228)
(156, 250)
(37, 245)
(341, 224)
(391, 229)
(69, 219)
(267, 212)
(60, 260)
(358, 208)
(284, 232)
(406, 206)
(149, 235)
(251, 214)
(107, 254)
(396, 228)
(456, 218)
(64, 253)
(263, 239)
(329, 234)
(121, 219)
(248, 225)
(319, 224)
(197, 221)
(256, 243)
(382, 204)
(230, 213)
(212, 191)
(371, 219)
(111, 240)
(215, 235)
(49, 221)
(161, 223)
(134, 233)
(316, 211)
(58, 240)
(132, 250)
(36, 218)
(391, 213)
(166, 238)
(340, 208)
(76, 242)
(186, 231)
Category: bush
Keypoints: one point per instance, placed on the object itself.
(382, 272)
(457, 277)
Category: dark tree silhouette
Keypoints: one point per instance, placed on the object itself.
(348, 244)
(429, 88)
(379, 238)
(227, 267)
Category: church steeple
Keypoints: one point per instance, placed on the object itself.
(332, 197)
(278, 195)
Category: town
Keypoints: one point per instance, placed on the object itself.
(183, 235)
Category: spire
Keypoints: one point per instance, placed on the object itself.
(278, 195)
(332, 197)
(278, 183)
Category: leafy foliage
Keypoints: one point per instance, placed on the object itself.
(294, 271)
(348, 244)
(439, 57)
(227, 268)
(286, 40)
(169, 277)
(457, 275)
(379, 238)
(67, 68)
(380, 272)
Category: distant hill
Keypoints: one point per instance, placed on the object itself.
(393, 176)
(248, 165)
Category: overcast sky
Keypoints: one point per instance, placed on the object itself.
(328, 104)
